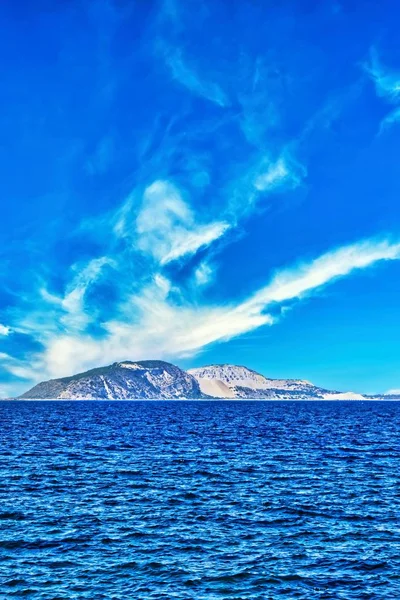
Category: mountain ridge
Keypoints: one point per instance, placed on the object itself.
(157, 379)
(119, 381)
(243, 383)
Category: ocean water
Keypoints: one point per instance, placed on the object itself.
(200, 500)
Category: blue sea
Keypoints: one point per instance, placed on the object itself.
(199, 500)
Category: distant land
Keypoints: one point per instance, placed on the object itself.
(156, 379)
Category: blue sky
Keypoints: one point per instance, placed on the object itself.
(201, 182)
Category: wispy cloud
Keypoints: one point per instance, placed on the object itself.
(387, 86)
(18, 368)
(203, 274)
(152, 323)
(281, 174)
(262, 181)
(252, 94)
(47, 315)
(188, 77)
(166, 226)
(4, 330)
(303, 279)
(201, 168)
(73, 301)
(387, 81)
(392, 118)
(157, 321)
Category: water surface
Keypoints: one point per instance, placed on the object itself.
(199, 500)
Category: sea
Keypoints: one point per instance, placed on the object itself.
(199, 500)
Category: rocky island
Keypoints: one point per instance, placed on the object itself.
(160, 380)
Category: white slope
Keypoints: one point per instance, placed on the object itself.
(343, 396)
(233, 381)
(234, 375)
(107, 388)
(216, 388)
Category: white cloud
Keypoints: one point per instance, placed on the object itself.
(203, 274)
(274, 176)
(387, 82)
(189, 78)
(279, 174)
(166, 226)
(49, 314)
(152, 323)
(162, 283)
(394, 392)
(392, 118)
(387, 86)
(158, 328)
(304, 278)
(262, 177)
(73, 301)
(17, 367)
(4, 330)
(186, 242)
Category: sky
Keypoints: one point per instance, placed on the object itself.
(201, 182)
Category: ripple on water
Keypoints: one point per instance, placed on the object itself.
(199, 501)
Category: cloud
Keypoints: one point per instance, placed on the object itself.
(274, 176)
(281, 174)
(387, 86)
(17, 367)
(166, 226)
(189, 78)
(4, 330)
(387, 82)
(203, 274)
(198, 173)
(156, 321)
(260, 179)
(189, 241)
(73, 301)
(394, 392)
(301, 280)
(153, 324)
(392, 118)
(47, 314)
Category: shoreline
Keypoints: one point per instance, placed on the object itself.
(239, 400)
